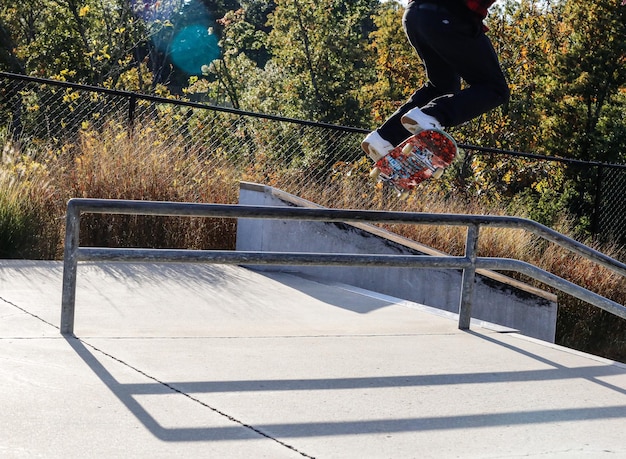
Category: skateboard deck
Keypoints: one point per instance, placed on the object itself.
(418, 158)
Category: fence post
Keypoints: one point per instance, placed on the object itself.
(595, 216)
(132, 105)
(70, 265)
(469, 276)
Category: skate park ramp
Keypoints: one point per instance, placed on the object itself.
(497, 298)
(196, 360)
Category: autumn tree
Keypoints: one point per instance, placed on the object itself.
(583, 97)
(564, 62)
(397, 69)
(319, 49)
(589, 70)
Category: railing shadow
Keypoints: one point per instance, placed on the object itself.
(127, 394)
(591, 373)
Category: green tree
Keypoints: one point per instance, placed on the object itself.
(8, 59)
(256, 13)
(90, 42)
(398, 70)
(233, 74)
(588, 73)
(320, 49)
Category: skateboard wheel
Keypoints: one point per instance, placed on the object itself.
(407, 149)
(374, 173)
(437, 173)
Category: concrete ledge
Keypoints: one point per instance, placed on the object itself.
(498, 298)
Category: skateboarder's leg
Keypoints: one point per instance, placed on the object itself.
(457, 39)
(452, 46)
(442, 81)
(486, 89)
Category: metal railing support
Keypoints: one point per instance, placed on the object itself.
(468, 263)
(70, 267)
(469, 278)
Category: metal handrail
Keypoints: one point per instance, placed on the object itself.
(468, 263)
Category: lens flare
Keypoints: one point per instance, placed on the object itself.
(193, 47)
(182, 30)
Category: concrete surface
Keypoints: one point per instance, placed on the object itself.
(497, 298)
(209, 361)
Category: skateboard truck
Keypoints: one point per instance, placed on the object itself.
(416, 160)
(424, 159)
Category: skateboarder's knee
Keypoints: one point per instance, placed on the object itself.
(502, 93)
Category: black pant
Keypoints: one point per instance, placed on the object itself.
(452, 45)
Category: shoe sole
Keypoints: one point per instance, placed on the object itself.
(411, 126)
(373, 154)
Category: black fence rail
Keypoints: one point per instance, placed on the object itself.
(301, 157)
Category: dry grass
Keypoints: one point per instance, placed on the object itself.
(29, 227)
(112, 165)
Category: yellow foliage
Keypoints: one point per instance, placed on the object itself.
(71, 96)
(83, 11)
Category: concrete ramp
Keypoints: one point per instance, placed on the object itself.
(496, 298)
(178, 360)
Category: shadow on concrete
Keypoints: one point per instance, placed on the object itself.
(186, 275)
(591, 373)
(23, 270)
(200, 276)
(127, 394)
(308, 285)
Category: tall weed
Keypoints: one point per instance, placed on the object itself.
(113, 165)
(28, 224)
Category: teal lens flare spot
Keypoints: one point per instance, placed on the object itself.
(193, 47)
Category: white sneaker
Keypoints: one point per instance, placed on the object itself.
(375, 146)
(416, 120)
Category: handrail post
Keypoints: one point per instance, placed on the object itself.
(70, 265)
(469, 277)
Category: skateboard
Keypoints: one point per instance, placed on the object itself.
(418, 158)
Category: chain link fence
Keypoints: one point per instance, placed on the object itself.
(190, 145)
(611, 203)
